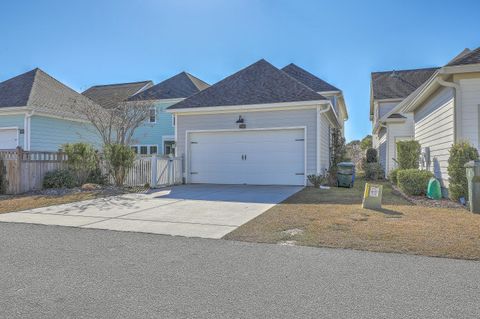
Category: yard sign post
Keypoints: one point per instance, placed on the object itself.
(372, 197)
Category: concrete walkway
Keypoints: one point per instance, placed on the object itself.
(208, 211)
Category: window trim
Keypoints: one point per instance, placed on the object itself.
(150, 115)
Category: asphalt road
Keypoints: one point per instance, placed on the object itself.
(63, 272)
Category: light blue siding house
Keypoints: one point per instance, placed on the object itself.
(157, 136)
(39, 113)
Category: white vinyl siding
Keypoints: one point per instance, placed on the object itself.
(470, 117)
(324, 143)
(434, 128)
(260, 119)
(382, 148)
(398, 131)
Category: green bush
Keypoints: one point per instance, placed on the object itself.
(372, 156)
(392, 176)
(374, 171)
(460, 154)
(414, 181)
(408, 154)
(120, 159)
(3, 177)
(59, 179)
(82, 160)
(97, 177)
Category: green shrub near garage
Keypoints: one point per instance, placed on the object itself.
(413, 181)
(408, 154)
(460, 154)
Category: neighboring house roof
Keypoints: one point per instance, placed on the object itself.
(259, 83)
(398, 84)
(109, 95)
(307, 78)
(181, 85)
(41, 92)
(466, 57)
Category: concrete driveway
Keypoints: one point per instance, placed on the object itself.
(208, 211)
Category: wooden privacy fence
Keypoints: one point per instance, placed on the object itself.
(25, 170)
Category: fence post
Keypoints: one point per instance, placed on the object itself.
(18, 179)
(153, 170)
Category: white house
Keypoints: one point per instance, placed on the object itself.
(446, 110)
(257, 126)
(387, 90)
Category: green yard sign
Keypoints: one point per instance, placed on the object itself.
(372, 197)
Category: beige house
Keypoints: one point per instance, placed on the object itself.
(387, 90)
(446, 110)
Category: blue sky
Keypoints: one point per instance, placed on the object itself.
(87, 42)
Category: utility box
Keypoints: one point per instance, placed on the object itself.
(372, 197)
(473, 178)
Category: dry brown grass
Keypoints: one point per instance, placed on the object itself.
(335, 218)
(18, 203)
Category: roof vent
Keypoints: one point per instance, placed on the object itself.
(394, 74)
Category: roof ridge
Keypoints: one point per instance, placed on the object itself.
(301, 83)
(35, 70)
(118, 84)
(406, 70)
(195, 78)
(309, 74)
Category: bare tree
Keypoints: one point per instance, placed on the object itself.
(116, 125)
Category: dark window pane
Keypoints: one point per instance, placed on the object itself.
(153, 150)
(135, 149)
(143, 150)
(152, 116)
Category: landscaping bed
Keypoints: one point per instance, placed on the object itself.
(335, 218)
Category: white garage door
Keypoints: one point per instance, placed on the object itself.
(257, 157)
(8, 139)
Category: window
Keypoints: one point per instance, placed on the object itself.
(173, 120)
(144, 150)
(135, 149)
(168, 148)
(153, 115)
(153, 149)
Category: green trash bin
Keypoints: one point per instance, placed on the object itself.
(473, 178)
(345, 174)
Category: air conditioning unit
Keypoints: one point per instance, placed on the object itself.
(425, 158)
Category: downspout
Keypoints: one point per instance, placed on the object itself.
(457, 102)
(26, 130)
(319, 112)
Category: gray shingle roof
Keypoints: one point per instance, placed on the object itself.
(39, 91)
(398, 84)
(110, 95)
(307, 78)
(259, 83)
(16, 91)
(181, 85)
(466, 57)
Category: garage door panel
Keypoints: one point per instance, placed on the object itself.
(272, 157)
(8, 138)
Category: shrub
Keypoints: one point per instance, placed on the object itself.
(59, 179)
(3, 178)
(392, 176)
(120, 159)
(414, 181)
(82, 160)
(460, 154)
(372, 156)
(408, 154)
(97, 177)
(374, 171)
(316, 180)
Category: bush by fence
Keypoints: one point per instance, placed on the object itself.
(460, 154)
